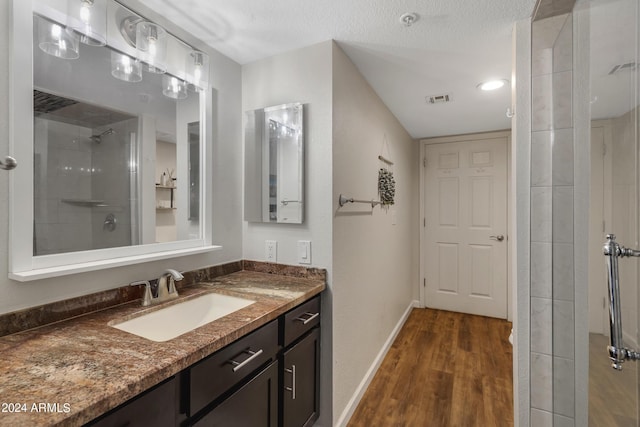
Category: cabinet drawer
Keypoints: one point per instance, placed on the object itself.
(301, 319)
(211, 377)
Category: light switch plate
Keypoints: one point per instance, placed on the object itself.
(304, 252)
(271, 250)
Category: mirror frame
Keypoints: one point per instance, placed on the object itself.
(23, 265)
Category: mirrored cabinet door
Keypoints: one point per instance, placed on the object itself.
(274, 164)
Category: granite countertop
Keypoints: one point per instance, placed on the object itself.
(69, 373)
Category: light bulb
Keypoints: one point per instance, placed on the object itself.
(197, 75)
(85, 13)
(56, 31)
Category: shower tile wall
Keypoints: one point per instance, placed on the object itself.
(552, 200)
(112, 179)
(70, 166)
(62, 171)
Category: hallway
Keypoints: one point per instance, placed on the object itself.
(444, 369)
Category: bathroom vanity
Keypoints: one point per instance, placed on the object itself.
(257, 366)
(267, 375)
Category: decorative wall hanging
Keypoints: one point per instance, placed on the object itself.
(386, 182)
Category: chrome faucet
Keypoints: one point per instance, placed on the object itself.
(165, 290)
(168, 290)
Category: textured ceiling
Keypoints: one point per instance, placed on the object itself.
(453, 46)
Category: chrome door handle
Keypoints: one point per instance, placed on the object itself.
(8, 163)
(499, 237)
(308, 319)
(239, 365)
(617, 352)
(292, 389)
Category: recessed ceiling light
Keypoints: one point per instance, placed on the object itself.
(492, 84)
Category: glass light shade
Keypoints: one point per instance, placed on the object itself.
(88, 19)
(125, 68)
(151, 44)
(173, 87)
(54, 40)
(197, 69)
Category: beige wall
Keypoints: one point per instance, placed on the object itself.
(375, 262)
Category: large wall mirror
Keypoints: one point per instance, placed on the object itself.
(118, 139)
(274, 164)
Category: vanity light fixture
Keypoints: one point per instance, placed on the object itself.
(88, 19)
(125, 68)
(173, 87)
(197, 69)
(492, 84)
(54, 40)
(151, 45)
(87, 23)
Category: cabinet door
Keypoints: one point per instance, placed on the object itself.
(254, 405)
(156, 407)
(300, 384)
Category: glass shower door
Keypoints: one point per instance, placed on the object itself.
(613, 393)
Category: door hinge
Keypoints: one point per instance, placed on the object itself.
(424, 222)
(424, 283)
(424, 162)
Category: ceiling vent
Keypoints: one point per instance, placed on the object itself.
(438, 99)
(629, 66)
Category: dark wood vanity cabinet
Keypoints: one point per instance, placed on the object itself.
(255, 404)
(300, 360)
(301, 374)
(284, 393)
(155, 407)
(268, 378)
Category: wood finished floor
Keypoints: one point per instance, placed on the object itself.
(444, 369)
(612, 394)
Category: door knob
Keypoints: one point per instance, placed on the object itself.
(499, 237)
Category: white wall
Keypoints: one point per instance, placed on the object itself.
(375, 262)
(301, 76)
(226, 179)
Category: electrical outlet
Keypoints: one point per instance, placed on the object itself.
(304, 252)
(271, 250)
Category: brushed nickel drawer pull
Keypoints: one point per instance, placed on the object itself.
(292, 389)
(240, 365)
(308, 319)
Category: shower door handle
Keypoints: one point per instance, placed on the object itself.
(617, 352)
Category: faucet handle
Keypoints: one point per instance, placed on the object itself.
(147, 297)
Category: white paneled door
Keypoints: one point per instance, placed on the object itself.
(466, 226)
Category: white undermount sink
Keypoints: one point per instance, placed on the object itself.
(170, 322)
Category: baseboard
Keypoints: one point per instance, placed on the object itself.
(371, 372)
